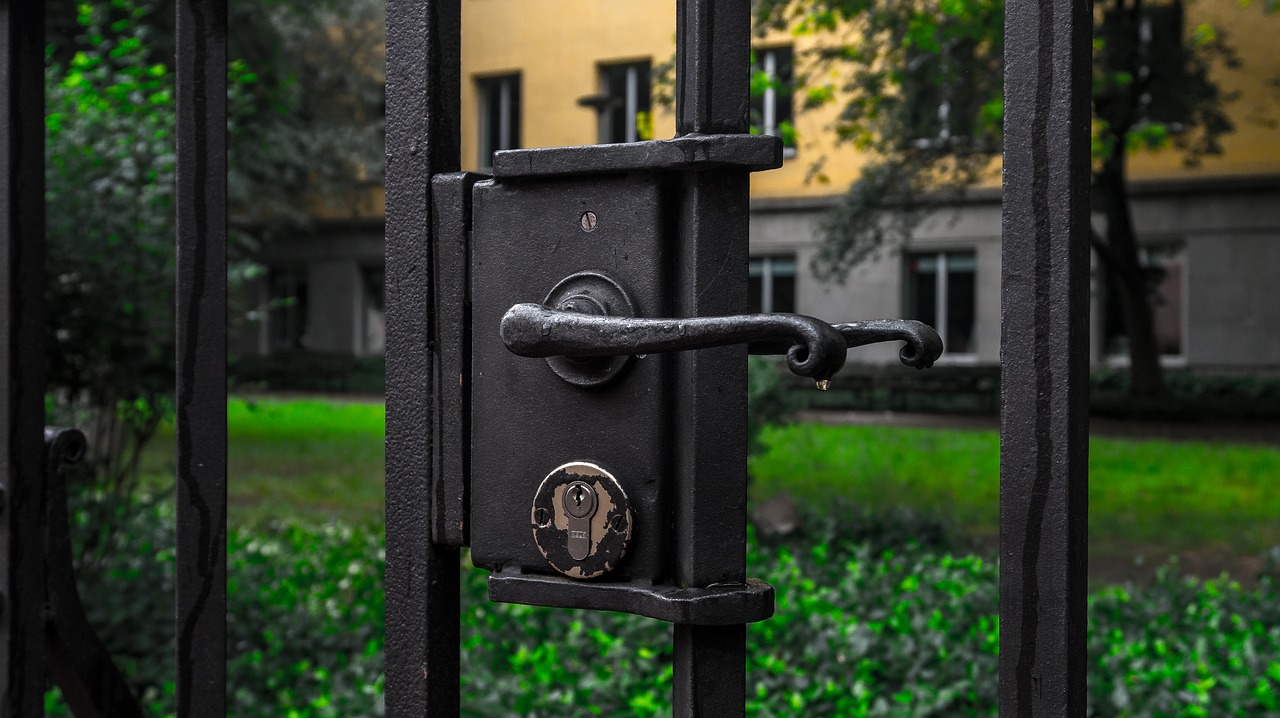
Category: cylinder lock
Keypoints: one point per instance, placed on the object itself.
(581, 520)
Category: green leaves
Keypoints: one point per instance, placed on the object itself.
(109, 187)
(868, 624)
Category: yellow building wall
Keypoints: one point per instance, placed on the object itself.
(558, 45)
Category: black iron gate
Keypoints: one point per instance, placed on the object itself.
(699, 192)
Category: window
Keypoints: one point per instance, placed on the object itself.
(944, 89)
(624, 110)
(771, 284)
(940, 293)
(1166, 265)
(373, 339)
(499, 111)
(1163, 66)
(772, 110)
(287, 309)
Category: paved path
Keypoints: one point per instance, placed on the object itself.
(1235, 433)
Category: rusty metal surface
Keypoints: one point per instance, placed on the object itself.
(585, 538)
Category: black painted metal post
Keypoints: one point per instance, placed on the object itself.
(201, 358)
(1044, 357)
(712, 59)
(22, 654)
(422, 576)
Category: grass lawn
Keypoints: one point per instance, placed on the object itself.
(289, 457)
(1152, 497)
(317, 458)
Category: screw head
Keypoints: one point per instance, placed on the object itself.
(542, 516)
(588, 221)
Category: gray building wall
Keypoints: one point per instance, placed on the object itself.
(1228, 231)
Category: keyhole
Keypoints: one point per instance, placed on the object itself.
(577, 495)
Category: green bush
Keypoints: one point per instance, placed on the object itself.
(1189, 396)
(770, 399)
(896, 630)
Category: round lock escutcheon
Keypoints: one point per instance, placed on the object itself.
(581, 520)
(591, 292)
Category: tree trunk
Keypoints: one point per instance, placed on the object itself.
(1146, 379)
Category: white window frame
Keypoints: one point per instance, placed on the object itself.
(767, 274)
(941, 281)
(631, 99)
(768, 57)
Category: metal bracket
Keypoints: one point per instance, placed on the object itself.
(711, 606)
(79, 662)
(451, 344)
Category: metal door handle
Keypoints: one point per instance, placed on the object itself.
(591, 317)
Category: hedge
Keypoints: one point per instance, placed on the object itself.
(870, 621)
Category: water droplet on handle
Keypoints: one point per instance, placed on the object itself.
(823, 384)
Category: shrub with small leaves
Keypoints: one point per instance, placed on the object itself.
(867, 624)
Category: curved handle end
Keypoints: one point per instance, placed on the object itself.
(923, 345)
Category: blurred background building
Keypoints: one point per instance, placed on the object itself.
(540, 73)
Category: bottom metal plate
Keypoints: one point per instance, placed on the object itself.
(714, 606)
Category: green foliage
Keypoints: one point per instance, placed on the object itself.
(109, 267)
(769, 399)
(897, 629)
(309, 373)
(1189, 397)
(306, 115)
(921, 87)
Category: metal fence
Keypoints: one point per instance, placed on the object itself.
(1043, 520)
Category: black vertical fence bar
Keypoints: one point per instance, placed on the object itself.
(712, 59)
(201, 358)
(422, 576)
(22, 357)
(1044, 357)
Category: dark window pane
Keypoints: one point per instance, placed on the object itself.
(621, 115)
(922, 289)
(1115, 336)
(960, 303)
(784, 293)
(512, 141)
(287, 302)
(499, 113)
(755, 294)
(615, 113)
(1168, 310)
